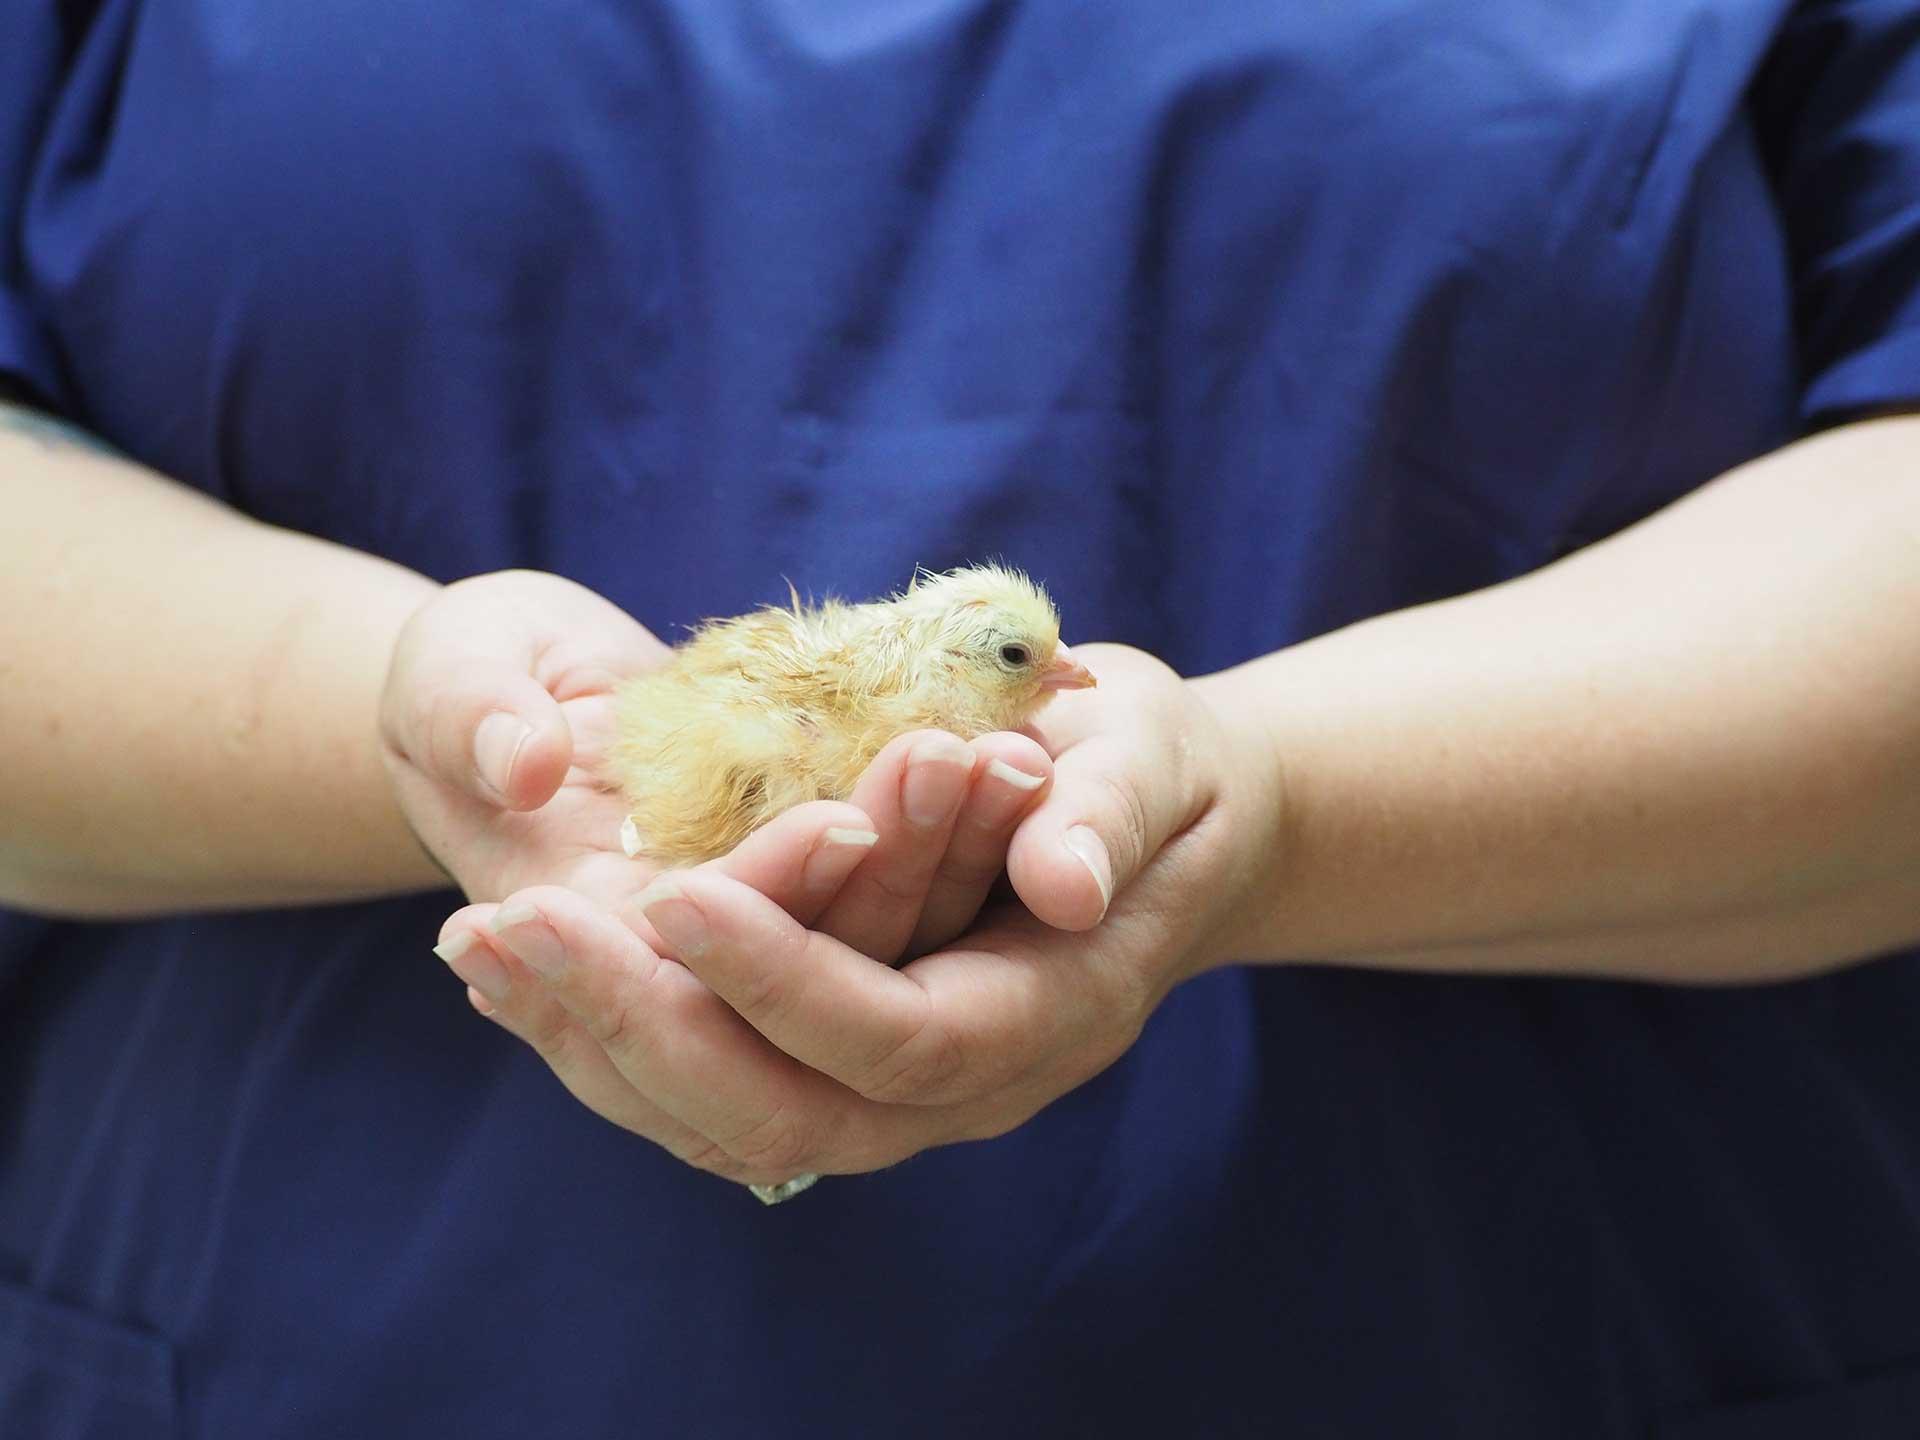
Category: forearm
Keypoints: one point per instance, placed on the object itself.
(189, 696)
(1691, 752)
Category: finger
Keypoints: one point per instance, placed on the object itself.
(1115, 801)
(801, 859)
(484, 729)
(473, 697)
(942, 1032)
(686, 1051)
(499, 988)
(913, 791)
(1008, 780)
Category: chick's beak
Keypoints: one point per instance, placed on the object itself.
(1066, 673)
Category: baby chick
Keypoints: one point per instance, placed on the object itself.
(759, 713)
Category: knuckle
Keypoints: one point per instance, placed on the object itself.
(551, 1034)
(776, 1142)
(553, 1048)
(1131, 811)
(612, 1026)
(712, 1157)
(894, 887)
(923, 1064)
(773, 990)
(767, 997)
(616, 1014)
(966, 871)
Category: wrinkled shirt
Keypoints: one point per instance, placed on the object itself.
(1233, 323)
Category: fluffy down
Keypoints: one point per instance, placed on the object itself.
(759, 713)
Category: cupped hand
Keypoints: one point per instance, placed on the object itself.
(716, 1016)
(497, 713)
(497, 717)
(908, 861)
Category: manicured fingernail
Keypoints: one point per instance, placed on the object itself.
(677, 918)
(833, 859)
(532, 940)
(479, 1001)
(475, 964)
(1019, 779)
(937, 772)
(496, 743)
(452, 950)
(1088, 849)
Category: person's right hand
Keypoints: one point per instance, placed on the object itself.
(497, 713)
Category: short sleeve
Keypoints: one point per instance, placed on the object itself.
(1838, 111)
(31, 47)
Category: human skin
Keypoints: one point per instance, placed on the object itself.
(188, 696)
(192, 717)
(205, 712)
(1689, 753)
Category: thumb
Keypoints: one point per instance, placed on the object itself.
(496, 735)
(1102, 821)
(462, 708)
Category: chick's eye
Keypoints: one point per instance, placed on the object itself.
(1015, 654)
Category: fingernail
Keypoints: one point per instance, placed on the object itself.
(479, 1001)
(677, 918)
(1019, 779)
(452, 950)
(937, 772)
(518, 913)
(833, 859)
(475, 964)
(527, 933)
(496, 743)
(1088, 849)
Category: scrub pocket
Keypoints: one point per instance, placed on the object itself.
(69, 1375)
(1885, 1406)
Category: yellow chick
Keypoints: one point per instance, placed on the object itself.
(759, 713)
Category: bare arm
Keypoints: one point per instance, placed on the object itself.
(188, 696)
(1691, 752)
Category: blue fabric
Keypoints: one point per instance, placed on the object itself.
(1233, 323)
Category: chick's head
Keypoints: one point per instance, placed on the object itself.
(996, 639)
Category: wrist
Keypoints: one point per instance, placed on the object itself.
(1251, 812)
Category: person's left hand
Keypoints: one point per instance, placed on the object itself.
(781, 1050)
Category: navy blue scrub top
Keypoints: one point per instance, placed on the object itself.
(1233, 322)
